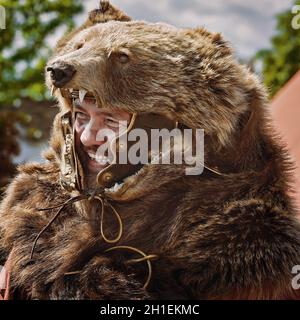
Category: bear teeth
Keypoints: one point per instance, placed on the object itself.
(82, 94)
(53, 89)
(116, 187)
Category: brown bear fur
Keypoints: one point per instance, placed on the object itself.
(229, 236)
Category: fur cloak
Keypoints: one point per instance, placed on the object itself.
(228, 236)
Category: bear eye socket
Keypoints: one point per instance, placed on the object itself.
(79, 45)
(123, 57)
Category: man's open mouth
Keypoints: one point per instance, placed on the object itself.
(95, 156)
(93, 161)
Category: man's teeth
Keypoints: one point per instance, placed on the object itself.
(92, 155)
(100, 159)
(82, 94)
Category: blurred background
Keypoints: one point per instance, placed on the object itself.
(265, 35)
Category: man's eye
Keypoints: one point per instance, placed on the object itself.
(112, 122)
(81, 115)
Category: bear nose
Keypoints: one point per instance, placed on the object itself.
(61, 73)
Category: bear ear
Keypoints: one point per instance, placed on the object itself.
(106, 12)
(215, 38)
(219, 42)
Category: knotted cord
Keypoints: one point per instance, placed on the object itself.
(104, 202)
(61, 207)
(133, 261)
(130, 262)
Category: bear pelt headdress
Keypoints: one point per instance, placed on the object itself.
(229, 233)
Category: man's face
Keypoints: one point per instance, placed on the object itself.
(89, 122)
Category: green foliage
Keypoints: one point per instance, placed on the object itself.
(282, 61)
(24, 50)
(23, 47)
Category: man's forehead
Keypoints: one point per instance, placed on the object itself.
(100, 111)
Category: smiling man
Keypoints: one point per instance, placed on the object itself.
(77, 227)
(90, 121)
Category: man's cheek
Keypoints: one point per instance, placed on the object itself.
(78, 127)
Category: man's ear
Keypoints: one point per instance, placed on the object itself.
(105, 13)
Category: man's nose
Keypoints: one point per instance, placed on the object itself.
(93, 133)
(61, 73)
(88, 136)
